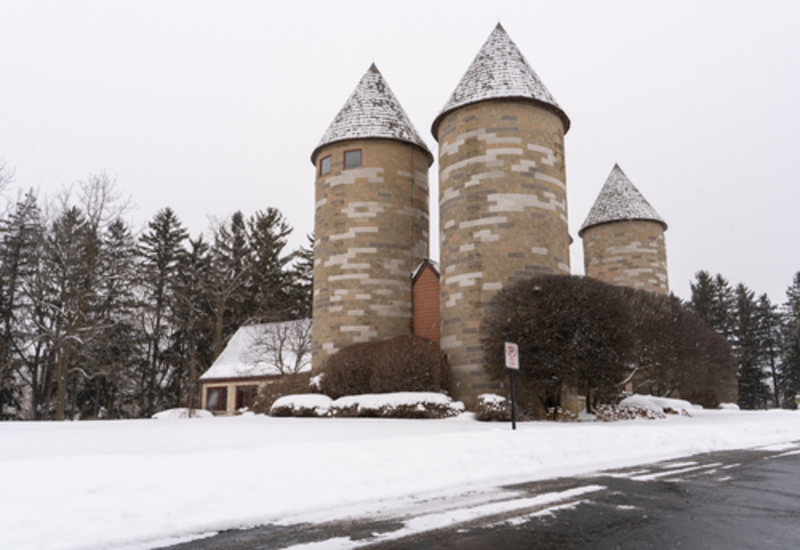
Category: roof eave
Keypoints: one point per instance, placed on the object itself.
(321, 146)
(662, 223)
(538, 102)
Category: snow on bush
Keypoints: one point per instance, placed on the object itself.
(658, 404)
(173, 414)
(613, 413)
(729, 406)
(309, 404)
(384, 405)
(493, 408)
(397, 405)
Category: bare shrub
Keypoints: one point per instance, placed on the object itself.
(613, 413)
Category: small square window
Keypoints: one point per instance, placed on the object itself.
(352, 159)
(217, 399)
(325, 166)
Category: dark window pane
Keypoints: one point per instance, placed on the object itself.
(217, 399)
(245, 396)
(325, 166)
(352, 159)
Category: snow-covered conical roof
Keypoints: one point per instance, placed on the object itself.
(619, 200)
(499, 71)
(372, 111)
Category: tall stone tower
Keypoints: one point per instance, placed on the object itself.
(502, 196)
(623, 238)
(371, 222)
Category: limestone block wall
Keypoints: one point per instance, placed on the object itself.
(627, 253)
(503, 218)
(371, 229)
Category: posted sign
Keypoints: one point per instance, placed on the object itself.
(512, 356)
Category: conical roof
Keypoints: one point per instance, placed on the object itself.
(619, 200)
(499, 71)
(372, 111)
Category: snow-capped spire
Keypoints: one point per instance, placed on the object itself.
(619, 200)
(372, 111)
(499, 71)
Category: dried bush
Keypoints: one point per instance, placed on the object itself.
(289, 384)
(557, 414)
(496, 408)
(405, 363)
(613, 413)
(493, 408)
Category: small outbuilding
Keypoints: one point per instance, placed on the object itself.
(255, 355)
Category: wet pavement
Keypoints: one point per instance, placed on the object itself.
(745, 499)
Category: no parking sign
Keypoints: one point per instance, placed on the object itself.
(512, 356)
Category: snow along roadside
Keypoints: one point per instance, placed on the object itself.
(105, 484)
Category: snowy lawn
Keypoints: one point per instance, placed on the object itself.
(108, 484)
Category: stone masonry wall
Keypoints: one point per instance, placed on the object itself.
(627, 253)
(503, 218)
(371, 230)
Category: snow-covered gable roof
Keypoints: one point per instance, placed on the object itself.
(619, 200)
(253, 350)
(499, 71)
(372, 111)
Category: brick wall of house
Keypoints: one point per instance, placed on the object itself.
(371, 229)
(503, 218)
(627, 253)
(426, 304)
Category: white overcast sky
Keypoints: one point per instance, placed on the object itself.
(212, 107)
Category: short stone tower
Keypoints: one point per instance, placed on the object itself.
(623, 238)
(371, 222)
(502, 196)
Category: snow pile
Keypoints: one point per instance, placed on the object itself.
(174, 414)
(137, 482)
(729, 406)
(657, 404)
(386, 405)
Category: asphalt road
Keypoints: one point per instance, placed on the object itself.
(734, 500)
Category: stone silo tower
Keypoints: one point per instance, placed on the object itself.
(623, 238)
(371, 220)
(502, 196)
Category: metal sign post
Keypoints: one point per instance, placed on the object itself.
(512, 364)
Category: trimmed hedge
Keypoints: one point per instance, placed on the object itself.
(393, 405)
(289, 384)
(403, 364)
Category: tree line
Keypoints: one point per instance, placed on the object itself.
(97, 321)
(765, 337)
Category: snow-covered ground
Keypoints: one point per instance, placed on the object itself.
(140, 483)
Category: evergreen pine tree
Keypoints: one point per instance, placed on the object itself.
(161, 249)
(20, 235)
(790, 367)
(768, 326)
(752, 391)
(269, 289)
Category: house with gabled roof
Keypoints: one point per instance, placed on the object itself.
(255, 355)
